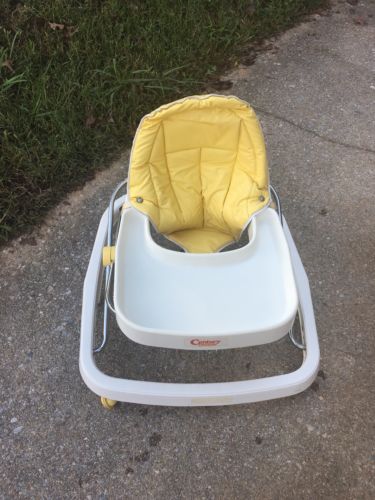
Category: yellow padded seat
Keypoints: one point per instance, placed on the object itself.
(198, 170)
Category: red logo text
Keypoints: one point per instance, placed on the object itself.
(204, 343)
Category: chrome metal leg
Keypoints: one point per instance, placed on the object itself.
(105, 315)
(295, 342)
(108, 269)
(275, 196)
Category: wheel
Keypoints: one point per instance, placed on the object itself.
(109, 404)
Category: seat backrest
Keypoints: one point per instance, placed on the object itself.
(199, 163)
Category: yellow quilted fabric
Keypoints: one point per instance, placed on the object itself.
(198, 169)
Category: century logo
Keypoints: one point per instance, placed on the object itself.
(204, 343)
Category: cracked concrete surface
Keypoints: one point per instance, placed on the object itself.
(311, 131)
(314, 94)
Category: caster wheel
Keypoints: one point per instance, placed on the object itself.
(109, 404)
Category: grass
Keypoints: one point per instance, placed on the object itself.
(76, 77)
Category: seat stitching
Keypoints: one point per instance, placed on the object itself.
(256, 161)
(200, 175)
(231, 178)
(191, 149)
(169, 173)
(151, 174)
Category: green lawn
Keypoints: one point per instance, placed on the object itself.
(77, 75)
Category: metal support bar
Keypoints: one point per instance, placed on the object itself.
(275, 196)
(108, 269)
(295, 342)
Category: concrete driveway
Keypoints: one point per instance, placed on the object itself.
(314, 92)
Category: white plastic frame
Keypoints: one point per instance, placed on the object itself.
(204, 394)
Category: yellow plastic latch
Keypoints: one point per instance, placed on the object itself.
(108, 255)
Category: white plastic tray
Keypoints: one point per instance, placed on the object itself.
(179, 300)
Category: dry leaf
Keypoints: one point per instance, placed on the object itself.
(249, 59)
(222, 84)
(56, 26)
(8, 64)
(70, 30)
(360, 21)
(90, 121)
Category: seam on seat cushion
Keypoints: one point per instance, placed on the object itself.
(231, 176)
(191, 149)
(151, 175)
(200, 174)
(169, 173)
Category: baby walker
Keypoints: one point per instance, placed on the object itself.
(198, 173)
